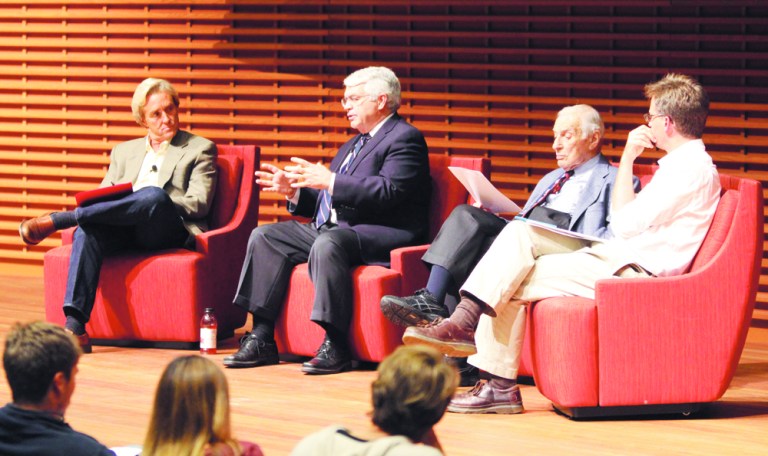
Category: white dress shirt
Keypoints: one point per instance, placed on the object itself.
(153, 160)
(664, 226)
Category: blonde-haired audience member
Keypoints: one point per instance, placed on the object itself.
(410, 395)
(191, 413)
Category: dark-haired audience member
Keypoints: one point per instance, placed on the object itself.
(409, 396)
(191, 414)
(40, 362)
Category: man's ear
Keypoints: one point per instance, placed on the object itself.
(381, 102)
(594, 142)
(58, 385)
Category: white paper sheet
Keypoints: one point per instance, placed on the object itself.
(554, 229)
(483, 191)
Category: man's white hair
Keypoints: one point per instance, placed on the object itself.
(378, 81)
(589, 119)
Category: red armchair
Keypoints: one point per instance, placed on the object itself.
(372, 336)
(656, 345)
(158, 298)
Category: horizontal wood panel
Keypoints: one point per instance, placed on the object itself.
(481, 79)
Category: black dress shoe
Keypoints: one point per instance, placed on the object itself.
(418, 310)
(253, 352)
(330, 359)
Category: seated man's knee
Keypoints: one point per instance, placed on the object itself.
(331, 243)
(152, 193)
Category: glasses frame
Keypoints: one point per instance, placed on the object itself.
(648, 117)
(355, 100)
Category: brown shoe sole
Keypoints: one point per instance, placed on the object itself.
(501, 409)
(450, 348)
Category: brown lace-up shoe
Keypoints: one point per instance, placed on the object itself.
(445, 336)
(484, 398)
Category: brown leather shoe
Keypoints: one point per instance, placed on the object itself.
(484, 398)
(442, 334)
(84, 340)
(33, 231)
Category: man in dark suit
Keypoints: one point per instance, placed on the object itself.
(173, 176)
(374, 198)
(577, 202)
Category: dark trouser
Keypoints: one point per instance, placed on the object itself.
(146, 219)
(274, 250)
(463, 239)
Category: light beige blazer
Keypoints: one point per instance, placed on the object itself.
(188, 174)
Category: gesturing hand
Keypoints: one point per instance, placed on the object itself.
(274, 179)
(306, 174)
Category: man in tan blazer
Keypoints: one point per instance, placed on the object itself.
(173, 177)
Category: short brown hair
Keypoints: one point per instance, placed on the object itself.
(684, 100)
(34, 353)
(412, 391)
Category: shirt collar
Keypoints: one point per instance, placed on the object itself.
(379, 125)
(672, 155)
(161, 150)
(587, 166)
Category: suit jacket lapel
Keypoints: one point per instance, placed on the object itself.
(134, 161)
(592, 192)
(373, 142)
(174, 153)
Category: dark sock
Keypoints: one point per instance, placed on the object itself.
(439, 280)
(337, 337)
(263, 329)
(62, 220)
(75, 325)
(467, 313)
(497, 382)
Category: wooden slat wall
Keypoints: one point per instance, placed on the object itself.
(479, 78)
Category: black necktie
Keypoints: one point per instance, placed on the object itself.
(324, 208)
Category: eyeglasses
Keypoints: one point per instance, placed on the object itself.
(354, 100)
(649, 117)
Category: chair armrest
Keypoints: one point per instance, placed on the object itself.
(414, 272)
(218, 240)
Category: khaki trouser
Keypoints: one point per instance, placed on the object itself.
(527, 264)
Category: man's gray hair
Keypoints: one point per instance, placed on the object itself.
(146, 88)
(589, 119)
(378, 81)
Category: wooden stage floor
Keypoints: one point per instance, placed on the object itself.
(275, 406)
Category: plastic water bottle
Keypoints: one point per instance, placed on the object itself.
(208, 327)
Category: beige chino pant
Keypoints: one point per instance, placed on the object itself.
(527, 264)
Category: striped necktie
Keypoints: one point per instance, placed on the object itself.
(324, 208)
(552, 190)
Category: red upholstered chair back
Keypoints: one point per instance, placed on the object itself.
(230, 170)
(447, 191)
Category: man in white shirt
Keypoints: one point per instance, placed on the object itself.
(656, 232)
